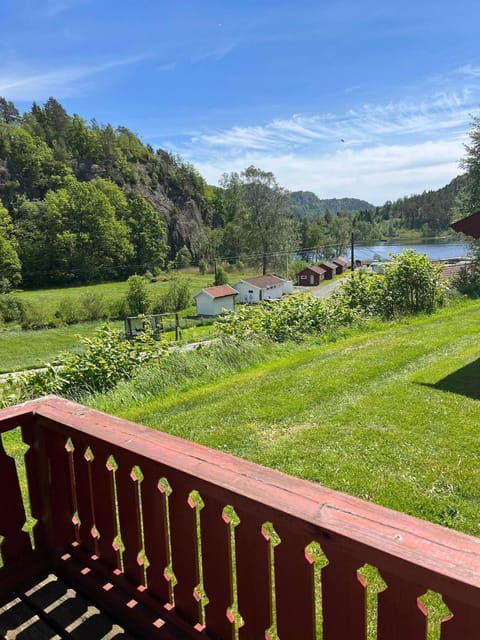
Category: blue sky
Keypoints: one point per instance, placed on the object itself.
(341, 97)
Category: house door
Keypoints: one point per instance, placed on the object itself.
(312, 279)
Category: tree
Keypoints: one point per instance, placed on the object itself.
(10, 266)
(412, 285)
(258, 207)
(147, 235)
(138, 298)
(8, 112)
(469, 200)
(183, 258)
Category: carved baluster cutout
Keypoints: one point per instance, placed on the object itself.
(273, 539)
(70, 449)
(15, 541)
(216, 561)
(234, 616)
(142, 559)
(253, 576)
(400, 614)
(344, 597)
(117, 542)
(437, 612)
(195, 502)
(375, 584)
(94, 533)
(155, 533)
(294, 586)
(463, 624)
(168, 572)
(129, 510)
(184, 548)
(103, 506)
(88, 533)
(16, 449)
(317, 560)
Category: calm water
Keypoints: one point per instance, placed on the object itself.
(439, 250)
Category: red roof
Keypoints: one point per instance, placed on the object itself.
(341, 261)
(316, 269)
(221, 291)
(329, 265)
(469, 225)
(264, 281)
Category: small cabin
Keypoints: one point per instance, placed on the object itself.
(330, 269)
(311, 276)
(342, 264)
(212, 301)
(268, 287)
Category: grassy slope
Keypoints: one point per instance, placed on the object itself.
(358, 415)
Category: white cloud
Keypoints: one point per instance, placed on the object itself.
(375, 152)
(376, 173)
(62, 82)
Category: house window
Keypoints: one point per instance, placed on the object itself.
(303, 277)
(250, 291)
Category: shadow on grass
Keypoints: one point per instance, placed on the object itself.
(464, 381)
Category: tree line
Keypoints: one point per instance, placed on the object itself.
(85, 202)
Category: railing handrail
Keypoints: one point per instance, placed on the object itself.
(450, 559)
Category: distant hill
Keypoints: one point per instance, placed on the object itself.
(306, 203)
(430, 211)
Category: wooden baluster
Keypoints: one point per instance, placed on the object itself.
(294, 579)
(36, 468)
(12, 513)
(155, 505)
(129, 514)
(344, 597)
(104, 506)
(81, 463)
(464, 624)
(253, 575)
(400, 614)
(58, 488)
(217, 569)
(184, 548)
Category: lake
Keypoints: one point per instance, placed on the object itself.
(436, 250)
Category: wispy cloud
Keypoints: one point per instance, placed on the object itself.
(62, 82)
(376, 151)
(365, 125)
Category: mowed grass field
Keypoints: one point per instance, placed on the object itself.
(390, 414)
(21, 350)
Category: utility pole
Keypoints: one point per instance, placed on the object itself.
(353, 252)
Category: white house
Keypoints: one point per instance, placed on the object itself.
(213, 301)
(253, 290)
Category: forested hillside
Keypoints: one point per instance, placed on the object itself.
(85, 202)
(88, 202)
(306, 203)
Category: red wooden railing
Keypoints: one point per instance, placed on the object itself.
(184, 541)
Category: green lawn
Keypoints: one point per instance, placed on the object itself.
(21, 350)
(390, 415)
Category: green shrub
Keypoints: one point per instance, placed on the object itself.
(69, 311)
(221, 276)
(202, 267)
(290, 318)
(106, 360)
(174, 298)
(138, 298)
(38, 316)
(94, 305)
(12, 308)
